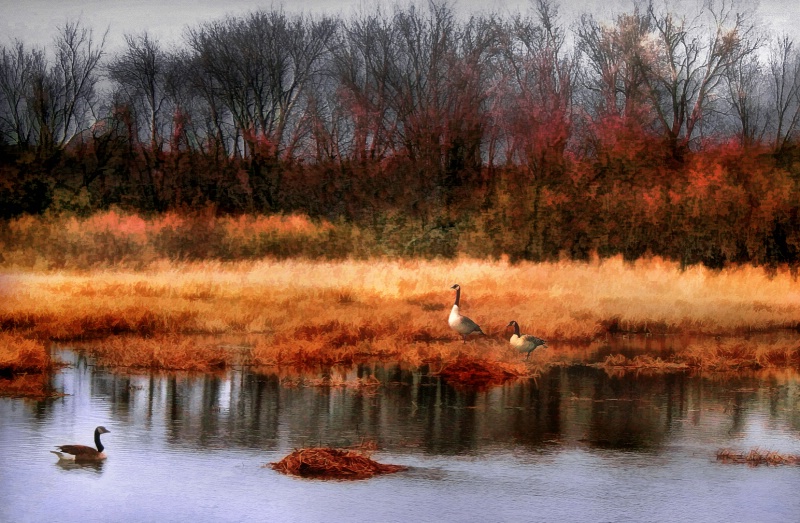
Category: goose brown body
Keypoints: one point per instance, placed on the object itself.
(83, 452)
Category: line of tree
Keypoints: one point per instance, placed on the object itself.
(655, 132)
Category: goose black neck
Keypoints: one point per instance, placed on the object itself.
(97, 442)
(458, 294)
(516, 328)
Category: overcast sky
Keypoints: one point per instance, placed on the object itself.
(34, 21)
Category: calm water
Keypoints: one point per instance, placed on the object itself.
(573, 445)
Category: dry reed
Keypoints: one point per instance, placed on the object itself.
(757, 457)
(329, 463)
(337, 313)
(641, 362)
(171, 353)
(20, 355)
(25, 367)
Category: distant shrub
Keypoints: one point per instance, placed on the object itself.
(114, 238)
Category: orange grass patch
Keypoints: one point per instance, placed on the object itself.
(18, 355)
(25, 367)
(757, 457)
(329, 463)
(338, 313)
(173, 353)
(734, 353)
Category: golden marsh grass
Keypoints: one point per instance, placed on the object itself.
(24, 367)
(340, 312)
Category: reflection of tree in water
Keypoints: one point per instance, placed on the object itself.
(626, 413)
(412, 409)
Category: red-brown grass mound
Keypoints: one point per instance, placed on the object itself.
(170, 353)
(25, 367)
(471, 372)
(329, 463)
(20, 355)
(757, 457)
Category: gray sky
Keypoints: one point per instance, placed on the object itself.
(34, 21)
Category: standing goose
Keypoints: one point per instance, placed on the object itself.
(524, 342)
(461, 324)
(82, 452)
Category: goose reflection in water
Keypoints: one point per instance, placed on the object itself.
(87, 466)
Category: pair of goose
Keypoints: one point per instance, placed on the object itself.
(465, 326)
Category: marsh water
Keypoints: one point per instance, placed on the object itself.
(575, 444)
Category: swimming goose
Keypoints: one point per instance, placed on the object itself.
(82, 452)
(524, 342)
(461, 324)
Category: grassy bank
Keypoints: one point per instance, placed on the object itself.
(24, 367)
(304, 313)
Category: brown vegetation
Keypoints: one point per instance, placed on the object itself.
(171, 353)
(25, 367)
(20, 355)
(329, 463)
(341, 303)
(757, 457)
(296, 313)
(477, 136)
(640, 362)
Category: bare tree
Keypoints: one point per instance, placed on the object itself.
(616, 57)
(541, 78)
(746, 93)
(417, 80)
(140, 74)
(784, 68)
(691, 64)
(538, 84)
(259, 66)
(361, 64)
(75, 71)
(437, 83)
(19, 69)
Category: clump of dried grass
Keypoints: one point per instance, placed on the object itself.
(640, 362)
(757, 457)
(735, 354)
(172, 353)
(18, 355)
(330, 463)
(25, 367)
